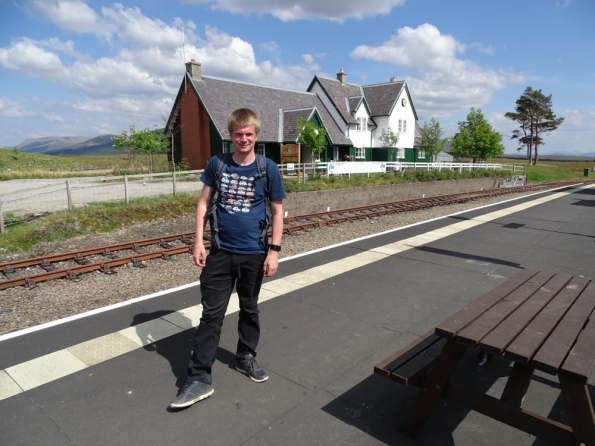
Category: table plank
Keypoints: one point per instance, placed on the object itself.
(524, 347)
(407, 353)
(411, 371)
(449, 328)
(554, 350)
(490, 319)
(505, 333)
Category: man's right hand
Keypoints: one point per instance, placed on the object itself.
(199, 255)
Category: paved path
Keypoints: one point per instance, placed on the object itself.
(327, 318)
(38, 196)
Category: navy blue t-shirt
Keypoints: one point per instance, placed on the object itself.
(241, 203)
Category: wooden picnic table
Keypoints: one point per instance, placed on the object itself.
(540, 321)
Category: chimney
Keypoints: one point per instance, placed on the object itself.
(393, 80)
(193, 69)
(342, 77)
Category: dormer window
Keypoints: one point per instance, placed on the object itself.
(362, 124)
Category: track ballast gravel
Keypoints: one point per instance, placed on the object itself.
(21, 307)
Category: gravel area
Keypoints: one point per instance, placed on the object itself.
(21, 308)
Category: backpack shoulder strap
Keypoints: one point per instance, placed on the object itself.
(261, 165)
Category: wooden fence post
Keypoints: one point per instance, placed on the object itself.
(1, 219)
(68, 195)
(126, 189)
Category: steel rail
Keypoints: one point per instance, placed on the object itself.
(321, 219)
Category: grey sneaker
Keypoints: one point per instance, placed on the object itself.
(192, 393)
(249, 366)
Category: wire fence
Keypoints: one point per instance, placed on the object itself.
(20, 199)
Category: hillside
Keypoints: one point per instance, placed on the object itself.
(69, 145)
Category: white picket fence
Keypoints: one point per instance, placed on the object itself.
(369, 167)
(22, 197)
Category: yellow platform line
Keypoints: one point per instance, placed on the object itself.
(36, 372)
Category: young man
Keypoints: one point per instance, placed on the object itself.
(234, 200)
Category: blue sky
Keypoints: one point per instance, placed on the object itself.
(91, 67)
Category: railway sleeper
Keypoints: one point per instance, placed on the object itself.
(110, 255)
(165, 245)
(71, 275)
(187, 240)
(9, 271)
(138, 264)
(80, 259)
(47, 266)
(30, 283)
(105, 269)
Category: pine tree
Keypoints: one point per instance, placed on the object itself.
(535, 117)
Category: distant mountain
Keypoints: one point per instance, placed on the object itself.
(70, 145)
(44, 145)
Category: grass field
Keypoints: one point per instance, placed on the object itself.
(15, 164)
(105, 217)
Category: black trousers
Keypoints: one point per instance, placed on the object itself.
(221, 273)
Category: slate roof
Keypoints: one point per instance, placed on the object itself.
(380, 98)
(290, 117)
(221, 96)
(339, 94)
(354, 103)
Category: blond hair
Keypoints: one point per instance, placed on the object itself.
(243, 117)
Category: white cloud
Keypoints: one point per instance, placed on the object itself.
(11, 109)
(486, 49)
(71, 15)
(27, 57)
(575, 120)
(134, 85)
(563, 4)
(290, 10)
(271, 47)
(447, 83)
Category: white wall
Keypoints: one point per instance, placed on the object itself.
(407, 138)
(361, 138)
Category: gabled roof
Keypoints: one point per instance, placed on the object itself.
(290, 118)
(380, 98)
(220, 97)
(339, 94)
(353, 104)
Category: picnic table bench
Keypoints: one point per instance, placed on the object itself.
(540, 321)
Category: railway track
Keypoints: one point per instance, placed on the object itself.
(71, 265)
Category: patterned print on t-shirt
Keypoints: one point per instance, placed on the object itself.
(237, 193)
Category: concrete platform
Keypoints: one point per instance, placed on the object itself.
(327, 318)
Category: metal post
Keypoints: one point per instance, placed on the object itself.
(126, 189)
(68, 195)
(173, 175)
